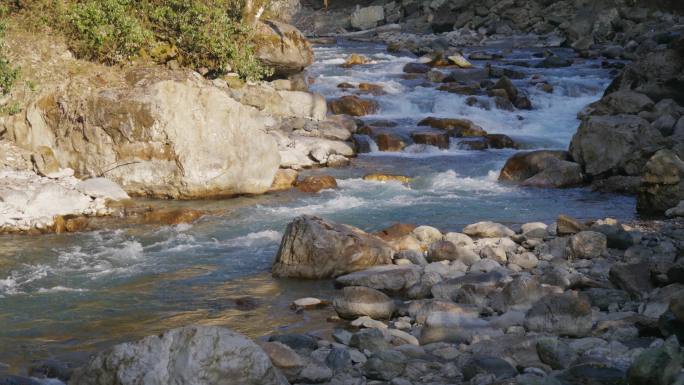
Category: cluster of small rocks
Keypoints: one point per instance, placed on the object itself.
(38, 196)
(572, 302)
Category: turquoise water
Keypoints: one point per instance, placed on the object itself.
(64, 296)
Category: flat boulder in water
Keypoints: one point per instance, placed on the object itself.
(198, 355)
(359, 301)
(542, 169)
(314, 248)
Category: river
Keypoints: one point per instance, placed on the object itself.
(66, 296)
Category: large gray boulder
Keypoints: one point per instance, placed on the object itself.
(155, 133)
(314, 248)
(614, 145)
(282, 47)
(191, 355)
(543, 168)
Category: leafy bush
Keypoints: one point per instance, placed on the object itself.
(207, 34)
(8, 73)
(107, 30)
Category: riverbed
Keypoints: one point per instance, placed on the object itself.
(66, 296)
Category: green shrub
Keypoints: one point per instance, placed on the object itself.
(8, 73)
(207, 34)
(107, 30)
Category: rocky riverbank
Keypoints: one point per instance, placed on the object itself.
(562, 303)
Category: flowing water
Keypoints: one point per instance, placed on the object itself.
(65, 296)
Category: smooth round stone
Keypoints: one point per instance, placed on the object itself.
(307, 302)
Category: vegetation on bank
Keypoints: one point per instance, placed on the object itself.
(9, 74)
(212, 36)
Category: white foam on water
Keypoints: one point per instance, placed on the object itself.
(338, 203)
(60, 289)
(258, 238)
(450, 181)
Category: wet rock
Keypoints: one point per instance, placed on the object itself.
(316, 183)
(505, 84)
(555, 61)
(357, 301)
(488, 230)
(374, 89)
(458, 128)
(387, 178)
(566, 314)
(460, 61)
(448, 251)
(634, 278)
(663, 183)
(587, 245)
(500, 368)
(657, 366)
(315, 248)
(282, 47)
(388, 278)
(193, 354)
(353, 106)
(367, 17)
(354, 60)
(389, 142)
(609, 145)
(500, 141)
(416, 68)
(308, 303)
(542, 169)
(436, 139)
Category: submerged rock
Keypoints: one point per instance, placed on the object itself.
(542, 169)
(201, 355)
(315, 248)
(353, 105)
